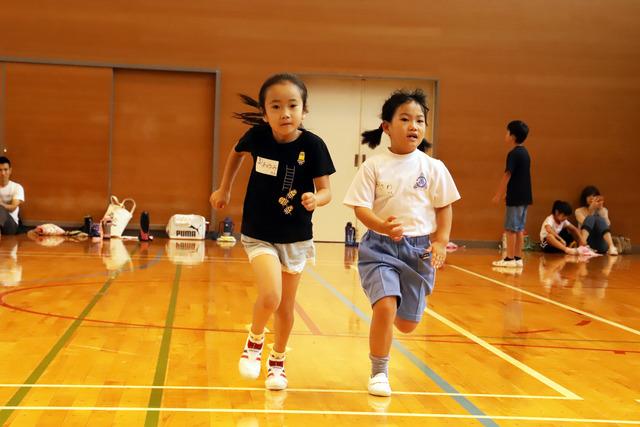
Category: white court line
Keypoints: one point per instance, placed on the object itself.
(310, 412)
(550, 301)
(290, 390)
(537, 375)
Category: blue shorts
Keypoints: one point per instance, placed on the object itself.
(515, 218)
(389, 268)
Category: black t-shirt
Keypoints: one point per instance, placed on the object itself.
(519, 186)
(281, 174)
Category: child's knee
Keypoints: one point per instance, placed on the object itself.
(269, 301)
(386, 306)
(405, 326)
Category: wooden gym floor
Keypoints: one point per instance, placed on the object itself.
(126, 334)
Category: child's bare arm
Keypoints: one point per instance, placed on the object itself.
(502, 187)
(373, 222)
(220, 197)
(576, 234)
(322, 195)
(439, 239)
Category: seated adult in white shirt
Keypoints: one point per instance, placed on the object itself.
(11, 197)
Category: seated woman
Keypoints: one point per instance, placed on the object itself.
(593, 221)
(553, 234)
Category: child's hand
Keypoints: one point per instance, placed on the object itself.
(220, 199)
(392, 228)
(438, 252)
(309, 201)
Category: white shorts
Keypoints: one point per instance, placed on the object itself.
(292, 256)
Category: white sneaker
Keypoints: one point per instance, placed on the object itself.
(379, 385)
(612, 251)
(276, 378)
(519, 263)
(502, 263)
(249, 363)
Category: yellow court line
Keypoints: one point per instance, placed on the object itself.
(324, 413)
(290, 390)
(504, 356)
(550, 301)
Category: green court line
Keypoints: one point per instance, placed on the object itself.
(19, 395)
(155, 398)
(16, 399)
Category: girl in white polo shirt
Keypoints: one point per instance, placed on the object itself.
(404, 198)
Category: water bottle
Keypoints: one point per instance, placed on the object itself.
(349, 235)
(227, 227)
(144, 235)
(88, 222)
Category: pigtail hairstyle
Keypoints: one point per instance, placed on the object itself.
(256, 118)
(372, 137)
(251, 118)
(399, 97)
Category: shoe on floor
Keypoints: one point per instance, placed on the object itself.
(276, 378)
(379, 385)
(512, 263)
(612, 251)
(249, 363)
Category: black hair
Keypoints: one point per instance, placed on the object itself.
(254, 118)
(589, 190)
(519, 130)
(5, 161)
(562, 207)
(397, 98)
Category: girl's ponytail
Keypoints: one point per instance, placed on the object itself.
(372, 137)
(252, 118)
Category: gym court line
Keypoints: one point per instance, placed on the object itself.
(550, 301)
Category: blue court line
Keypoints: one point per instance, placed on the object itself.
(441, 382)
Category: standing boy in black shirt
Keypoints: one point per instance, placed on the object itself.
(516, 182)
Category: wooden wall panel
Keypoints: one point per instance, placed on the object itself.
(565, 66)
(163, 142)
(57, 135)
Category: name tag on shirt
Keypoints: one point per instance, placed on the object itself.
(267, 166)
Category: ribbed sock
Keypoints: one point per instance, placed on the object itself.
(379, 364)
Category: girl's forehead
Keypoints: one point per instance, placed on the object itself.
(411, 108)
(283, 91)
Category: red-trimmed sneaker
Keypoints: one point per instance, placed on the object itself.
(249, 363)
(276, 378)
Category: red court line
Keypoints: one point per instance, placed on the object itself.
(310, 324)
(307, 320)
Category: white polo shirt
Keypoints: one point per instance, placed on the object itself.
(11, 191)
(407, 186)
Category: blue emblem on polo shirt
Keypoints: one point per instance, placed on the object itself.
(421, 182)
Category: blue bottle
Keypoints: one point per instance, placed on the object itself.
(350, 235)
(227, 227)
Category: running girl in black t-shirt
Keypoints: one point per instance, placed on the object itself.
(289, 179)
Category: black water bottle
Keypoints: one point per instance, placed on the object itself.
(88, 222)
(144, 236)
